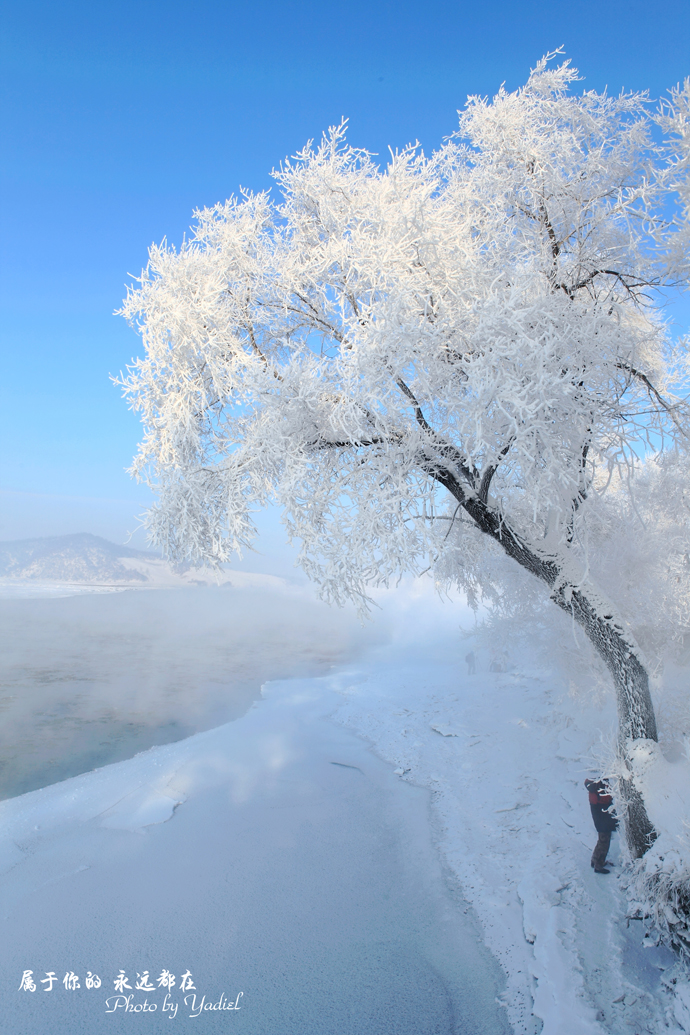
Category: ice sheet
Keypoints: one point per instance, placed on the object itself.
(275, 856)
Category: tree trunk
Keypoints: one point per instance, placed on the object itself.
(617, 649)
(636, 719)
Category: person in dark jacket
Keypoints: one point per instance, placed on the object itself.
(605, 823)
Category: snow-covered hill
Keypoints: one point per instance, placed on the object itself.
(71, 558)
(74, 563)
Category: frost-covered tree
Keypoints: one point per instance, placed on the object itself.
(412, 361)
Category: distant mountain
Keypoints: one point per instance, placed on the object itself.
(87, 560)
(72, 558)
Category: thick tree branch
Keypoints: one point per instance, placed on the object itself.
(324, 443)
(419, 416)
(483, 491)
(441, 448)
(580, 497)
(603, 630)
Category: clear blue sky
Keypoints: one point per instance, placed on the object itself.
(120, 119)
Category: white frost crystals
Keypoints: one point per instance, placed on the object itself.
(415, 361)
(486, 309)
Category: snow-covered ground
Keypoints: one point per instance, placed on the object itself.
(276, 859)
(505, 756)
(348, 884)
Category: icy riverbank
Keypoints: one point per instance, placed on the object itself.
(505, 755)
(281, 854)
(275, 856)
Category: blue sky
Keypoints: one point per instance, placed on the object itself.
(120, 119)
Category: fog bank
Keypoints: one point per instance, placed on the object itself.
(93, 679)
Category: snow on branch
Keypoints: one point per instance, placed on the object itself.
(483, 319)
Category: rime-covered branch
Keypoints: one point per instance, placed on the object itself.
(475, 329)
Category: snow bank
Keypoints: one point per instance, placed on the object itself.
(660, 888)
(505, 756)
(665, 787)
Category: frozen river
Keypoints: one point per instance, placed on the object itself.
(275, 856)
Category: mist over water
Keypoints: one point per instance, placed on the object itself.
(93, 679)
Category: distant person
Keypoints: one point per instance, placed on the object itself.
(469, 658)
(605, 823)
